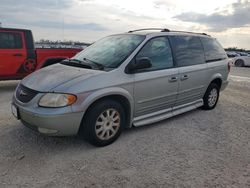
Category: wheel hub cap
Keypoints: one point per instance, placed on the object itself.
(212, 98)
(107, 124)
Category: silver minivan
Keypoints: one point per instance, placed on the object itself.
(125, 80)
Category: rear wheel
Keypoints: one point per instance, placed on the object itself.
(239, 63)
(103, 123)
(211, 97)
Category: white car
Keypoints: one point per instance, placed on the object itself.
(242, 61)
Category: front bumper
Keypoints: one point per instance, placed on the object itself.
(49, 121)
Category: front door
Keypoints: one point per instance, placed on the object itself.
(155, 88)
(12, 52)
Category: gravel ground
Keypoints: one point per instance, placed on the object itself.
(196, 149)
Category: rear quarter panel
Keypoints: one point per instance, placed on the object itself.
(218, 69)
(246, 60)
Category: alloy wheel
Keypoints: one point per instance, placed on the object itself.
(107, 124)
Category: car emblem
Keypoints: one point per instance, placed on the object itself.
(23, 93)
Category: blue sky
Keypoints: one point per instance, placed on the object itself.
(89, 20)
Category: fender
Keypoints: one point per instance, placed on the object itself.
(91, 97)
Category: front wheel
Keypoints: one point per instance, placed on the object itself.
(103, 123)
(211, 97)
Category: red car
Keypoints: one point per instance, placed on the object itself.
(18, 56)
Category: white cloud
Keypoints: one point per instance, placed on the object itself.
(221, 20)
(89, 20)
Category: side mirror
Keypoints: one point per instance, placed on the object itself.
(138, 64)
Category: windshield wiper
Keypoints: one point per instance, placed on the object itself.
(72, 60)
(77, 63)
(99, 65)
(75, 60)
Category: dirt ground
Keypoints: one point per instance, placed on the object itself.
(196, 149)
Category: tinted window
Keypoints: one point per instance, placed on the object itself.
(10, 41)
(159, 52)
(213, 50)
(188, 50)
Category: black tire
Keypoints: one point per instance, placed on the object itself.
(207, 97)
(239, 63)
(89, 123)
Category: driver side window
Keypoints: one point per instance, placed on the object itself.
(159, 52)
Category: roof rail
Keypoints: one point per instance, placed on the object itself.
(191, 32)
(166, 30)
(146, 29)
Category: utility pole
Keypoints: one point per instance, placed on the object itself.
(0, 24)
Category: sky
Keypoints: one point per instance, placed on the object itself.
(90, 20)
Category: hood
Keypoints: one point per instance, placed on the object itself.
(55, 75)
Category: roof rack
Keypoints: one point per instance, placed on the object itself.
(166, 30)
(191, 32)
(146, 29)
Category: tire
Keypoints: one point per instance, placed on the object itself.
(239, 63)
(211, 97)
(103, 123)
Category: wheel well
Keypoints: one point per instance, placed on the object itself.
(49, 62)
(119, 98)
(240, 60)
(217, 81)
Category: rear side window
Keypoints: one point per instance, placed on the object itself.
(188, 50)
(10, 40)
(213, 50)
(159, 52)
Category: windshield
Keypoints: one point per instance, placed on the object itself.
(111, 51)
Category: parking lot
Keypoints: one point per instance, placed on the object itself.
(196, 149)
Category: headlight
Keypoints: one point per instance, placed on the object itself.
(54, 100)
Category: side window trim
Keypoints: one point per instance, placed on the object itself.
(208, 60)
(175, 53)
(148, 70)
(213, 60)
(20, 34)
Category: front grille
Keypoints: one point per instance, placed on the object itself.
(25, 94)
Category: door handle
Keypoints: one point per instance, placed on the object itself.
(18, 55)
(184, 77)
(173, 79)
